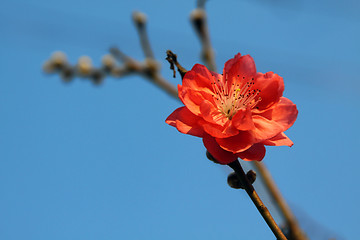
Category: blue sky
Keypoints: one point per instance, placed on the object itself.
(79, 161)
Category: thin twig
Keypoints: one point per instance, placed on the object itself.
(257, 201)
(295, 232)
(149, 69)
(199, 21)
(165, 85)
(119, 55)
(200, 4)
(139, 19)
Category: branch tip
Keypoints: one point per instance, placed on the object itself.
(172, 59)
(139, 18)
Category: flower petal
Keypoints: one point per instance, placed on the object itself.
(279, 140)
(211, 113)
(265, 128)
(193, 99)
(272, 88)
(199, 78)
(237, 143)
(222, 156)
(285, 113)
(239, 67)
(255, 153)
(186, 122)
(219, 131)
(242, 120)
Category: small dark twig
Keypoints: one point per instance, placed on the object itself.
(172, 59)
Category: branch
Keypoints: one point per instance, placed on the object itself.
(256, 200)
(200, 4)
(199, 21)
(116, 64)
(149, 68)
(139, 19)
(58, 63)
(295, 232)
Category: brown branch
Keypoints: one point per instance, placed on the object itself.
(256, 200)
(295, 232)
(139, 19)
(117, 64)
(83, 68)
(200, 4)
(199, 21)
(149, 69)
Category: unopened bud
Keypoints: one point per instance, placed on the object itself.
(251, 176)
(234, 181)
(139, 18)
(84, 65)
(198, 17)
(57, 62)
(58, 58)
(197, 14)
(108, 62)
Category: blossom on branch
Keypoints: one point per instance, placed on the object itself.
(235, 113)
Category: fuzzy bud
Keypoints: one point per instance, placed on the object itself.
(108, 62)
(139, 18)
(84, 65)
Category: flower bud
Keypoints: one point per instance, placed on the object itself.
(84, 65)
(139, 18)
(251, 176)
(234, 181)
(58, 59)
(197, 18)
(108, 62)
(197, 15)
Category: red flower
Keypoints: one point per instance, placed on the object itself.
(235, 113)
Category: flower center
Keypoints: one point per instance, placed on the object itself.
(239, 95)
